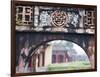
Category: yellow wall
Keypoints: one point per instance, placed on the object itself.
(48, 55)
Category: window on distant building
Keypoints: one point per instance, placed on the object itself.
(53, 58)
(60, 58)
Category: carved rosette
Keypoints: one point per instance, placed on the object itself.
(59, 18)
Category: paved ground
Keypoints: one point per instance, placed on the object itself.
(41, 69)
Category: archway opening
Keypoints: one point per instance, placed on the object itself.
(57, 55)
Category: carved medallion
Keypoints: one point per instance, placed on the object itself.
(59, 18)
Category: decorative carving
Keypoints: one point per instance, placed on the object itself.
(44, 19)
(59, 18)
(53, 19)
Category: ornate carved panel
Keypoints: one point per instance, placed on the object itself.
(55, 19)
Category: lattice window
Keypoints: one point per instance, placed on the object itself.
(24, 15)
(89, 19)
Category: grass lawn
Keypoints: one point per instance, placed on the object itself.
(69, 66)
